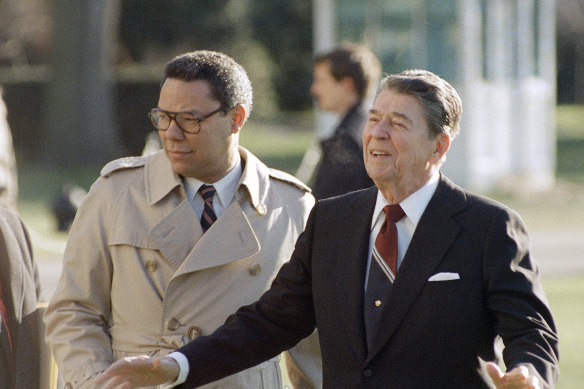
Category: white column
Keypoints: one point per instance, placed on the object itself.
(324, 24)
(324, 38)
(546, 57)
(469, 87)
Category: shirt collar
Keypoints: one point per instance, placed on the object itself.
(225, 187)
(414, 205)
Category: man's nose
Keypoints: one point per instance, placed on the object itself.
(173, 130)
(381, 129)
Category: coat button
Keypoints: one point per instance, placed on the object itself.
(68, 386)
(367, 373)
(261, 209)
(377, 303)
(255, 269)
(194, 332)
(173, 324)
(151, 265)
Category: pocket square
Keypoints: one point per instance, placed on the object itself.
(444, 277)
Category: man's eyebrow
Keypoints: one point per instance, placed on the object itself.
(400, 115)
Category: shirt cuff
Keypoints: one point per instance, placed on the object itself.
(183, 364)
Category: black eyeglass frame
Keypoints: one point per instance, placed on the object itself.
(173, 115)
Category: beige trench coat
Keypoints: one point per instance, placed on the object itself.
(139, 276)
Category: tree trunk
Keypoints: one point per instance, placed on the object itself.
(80, 126)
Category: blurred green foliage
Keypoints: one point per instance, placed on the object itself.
(272, 39)
(570, 143)
(566, 297)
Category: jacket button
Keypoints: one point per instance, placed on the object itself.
(151, 265)
(367, 373)
(193, 332)
(173, 324)
(68, 386)
(255, 269)
(261, 209)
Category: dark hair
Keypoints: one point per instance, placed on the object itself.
(354, 61)
(440, 100)
(227, 79)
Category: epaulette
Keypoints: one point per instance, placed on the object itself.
(122, 163)
(283, 176)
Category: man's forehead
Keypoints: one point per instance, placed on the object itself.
(399, 103)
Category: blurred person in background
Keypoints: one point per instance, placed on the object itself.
(344, 79)
(20, 292)
(165, 246)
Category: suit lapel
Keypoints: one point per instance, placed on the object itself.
(434, 235)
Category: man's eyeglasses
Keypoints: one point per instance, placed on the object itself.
(186, 121)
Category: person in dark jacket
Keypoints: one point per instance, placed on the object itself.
(344, 78)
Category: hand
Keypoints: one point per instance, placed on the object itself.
(515, 379)
(135, 372)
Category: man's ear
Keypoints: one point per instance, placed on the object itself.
(441, 148)
(237, 118)
(348, 84)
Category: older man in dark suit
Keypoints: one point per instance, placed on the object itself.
(409, 283)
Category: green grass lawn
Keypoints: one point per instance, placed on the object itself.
(566, 297)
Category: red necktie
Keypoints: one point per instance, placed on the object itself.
(386, 241)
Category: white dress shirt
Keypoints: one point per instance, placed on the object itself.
(224, 190)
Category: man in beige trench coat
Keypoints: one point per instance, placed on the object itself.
(140, 275)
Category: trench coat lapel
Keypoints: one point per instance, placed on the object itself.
(434, 234)
(176, 234)
(229, 239)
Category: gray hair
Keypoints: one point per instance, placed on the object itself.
(441, 102)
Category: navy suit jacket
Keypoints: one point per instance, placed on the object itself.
(432, 334)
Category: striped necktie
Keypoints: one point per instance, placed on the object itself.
(208, 217)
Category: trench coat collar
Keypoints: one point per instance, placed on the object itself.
(254, 178)
(181, 240)
(160, 179)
